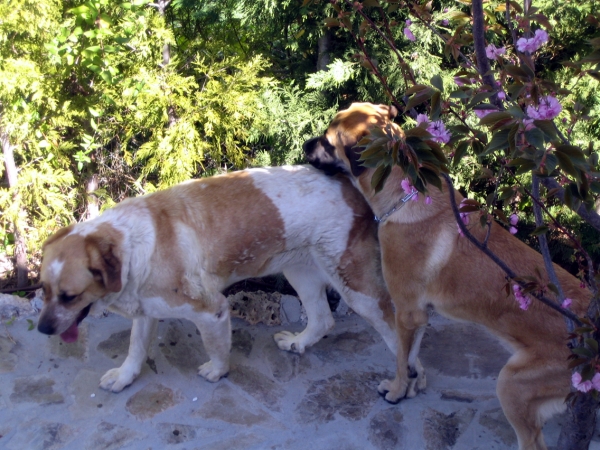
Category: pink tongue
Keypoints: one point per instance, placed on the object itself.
(71, 334)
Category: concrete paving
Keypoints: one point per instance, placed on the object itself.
(325, 399)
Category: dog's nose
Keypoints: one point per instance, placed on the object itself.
(46, 327)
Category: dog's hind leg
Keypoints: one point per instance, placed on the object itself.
(531, 390)
(309, 283)
(143, 331)
(215, 329)
(416, 373)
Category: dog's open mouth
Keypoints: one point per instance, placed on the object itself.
(73, 332)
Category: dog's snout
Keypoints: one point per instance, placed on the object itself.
(46, 326)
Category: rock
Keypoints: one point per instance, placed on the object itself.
(349, 394)
(183, 347)
(151, 400)
(36, 435)
(495, 421)
(291, 309)
(85, 406)
(256, 307)
(13, 307)
(257, 385)
(285, 366)
(35, 390)
(441, 431)
(176, 433)
(116, 345)
(8, 360)
(242, 341)
(227, 406)
(111, 437)
(339, 346)
(386, 429)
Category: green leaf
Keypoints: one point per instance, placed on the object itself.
(438, 83)
(31, 325)
(592, 344)
(461, 150)
(547, 126)
(536, 138)
(543, 229)
(379, 177)
(499, 141)
(420, 97)
(494, 117)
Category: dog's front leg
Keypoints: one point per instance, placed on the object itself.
(143, 332)
(409, 373)
(215, 329)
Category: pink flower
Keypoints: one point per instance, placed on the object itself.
(437, 129)
(501, 95)
(533, 44)
(528, 124)
(513, 230)
(548, 108)
(513, 219)
(596, 381)
(458, 81)
(464, 216)
(582, 386)
(428, 200)
(567, 304)
(408, 189)
(445, 22)
(493, 52)
(524, 300)
(409, 35)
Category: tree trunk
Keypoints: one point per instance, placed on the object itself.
(20, 252)
(576, 433)
(324, 45)
(92, 208)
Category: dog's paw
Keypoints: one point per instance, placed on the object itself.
(115, 380)
(416, 385)
(392, 390)
(288, 341)
(212, 373)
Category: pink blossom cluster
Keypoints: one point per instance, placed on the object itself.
(566, 303)
(408, 189)
(493, 52)
(585, 386)
(437, 129)
(524, 300)
(481, 113)
(548, 108)
(409, 35)
(464, 216)
(513, 223)
(533, 44)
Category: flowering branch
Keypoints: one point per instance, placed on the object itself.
(509, 272)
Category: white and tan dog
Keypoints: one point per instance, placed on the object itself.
(425, 262)
(170, 254)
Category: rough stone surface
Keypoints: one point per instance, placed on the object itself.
(153, 399)
(227, 406)
(257, 385)
(183, 348)
(256, 307)
(242, 341)
(441, 431)
(77, 349)
(285, 366)
(8, 360)
(13, 306)
(116, 345)
(495, 421)
(109, 436)
(340, 346)
(89, 400)
(176, 433)
(349, 394)
(466, 351)
(42, 436)
(291, 309)
(38, 390)
(386, 429)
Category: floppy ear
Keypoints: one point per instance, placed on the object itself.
(105, 260)
(393, 112)
(56, 236)
(321, 155)
(353, 153)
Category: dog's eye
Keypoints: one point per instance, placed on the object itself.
(65, 298)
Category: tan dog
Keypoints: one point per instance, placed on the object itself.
(426, 262)
(171, 253)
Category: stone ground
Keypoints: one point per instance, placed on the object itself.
(325, 399)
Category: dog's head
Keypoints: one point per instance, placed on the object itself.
(336, 151)
(77, 270)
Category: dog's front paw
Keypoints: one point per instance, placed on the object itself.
(288, 341)
(211, 372)
(115, 380)
(392, 390)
